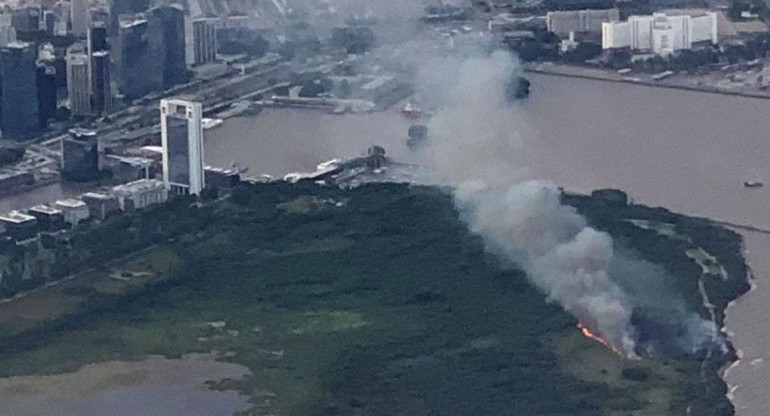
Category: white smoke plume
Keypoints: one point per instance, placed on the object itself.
(522, 222)
(569, 261)
(476, 145)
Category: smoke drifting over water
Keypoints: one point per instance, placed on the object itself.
(473, 148)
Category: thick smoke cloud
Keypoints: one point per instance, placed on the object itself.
(476, 143)
(569, 261)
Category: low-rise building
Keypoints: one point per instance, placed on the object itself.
(662, 33)
(140, 194)
(74, 210)
(13, 179)
(47, 217)
(100, 205)
(563, 22)
(222, 178)
(18, 225)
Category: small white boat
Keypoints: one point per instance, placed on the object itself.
(411, 111)
(328, 164)
(753, 184)
(210, 123)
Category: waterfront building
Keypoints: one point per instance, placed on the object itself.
(587, 21)
(18, 81)
(78, 83)
(18, 225)
(182, 139)
(47, 217)
(79, 17)
(101, 90)
(140, 194)
(12, 180)
(139, 57)
(661, 33)
(80, 154)
(100, 205)
(73, 210)
(204, 41)
(222, 178)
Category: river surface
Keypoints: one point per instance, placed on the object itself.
(687, 151)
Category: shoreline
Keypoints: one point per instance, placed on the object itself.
(570, 71)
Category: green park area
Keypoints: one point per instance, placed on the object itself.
(374, 300)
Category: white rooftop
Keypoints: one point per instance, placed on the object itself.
(138, 185)
(70, 203)
(45, 209)
(16, 217)
(97, 195)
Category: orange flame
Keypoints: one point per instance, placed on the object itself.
(590, 335)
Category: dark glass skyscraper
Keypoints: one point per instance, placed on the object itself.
(119, 7)
(18, 76)
(100, 82)
(139, 57)
(167, 25)
(46, 92)
(97, 37)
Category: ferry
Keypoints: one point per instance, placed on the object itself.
(753, 184)
(411, 111)
(210, 123)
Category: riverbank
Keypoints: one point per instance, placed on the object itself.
(674, 82)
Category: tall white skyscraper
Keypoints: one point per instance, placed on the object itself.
(79, 17)
(182, 136)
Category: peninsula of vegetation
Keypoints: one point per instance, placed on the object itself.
(373, 300)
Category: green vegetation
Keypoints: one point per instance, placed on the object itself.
(374, 300)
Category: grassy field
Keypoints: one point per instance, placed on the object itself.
(372, 301)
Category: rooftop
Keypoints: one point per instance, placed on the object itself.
(44, 209)
(70, 203)
(138, 186)
(97, 195)
(81, 132)
(16, 217)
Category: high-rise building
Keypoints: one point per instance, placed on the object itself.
(49, 22)
(18, 78)
(78, 83)
(80, 154)
(139, 58)
(46, 92)
(166, 26)
(79, 17)
(121, 7)
(182, 137)
(97, 37)
(7, 31)
(26, 19)
(204, 41)
(101, 92)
